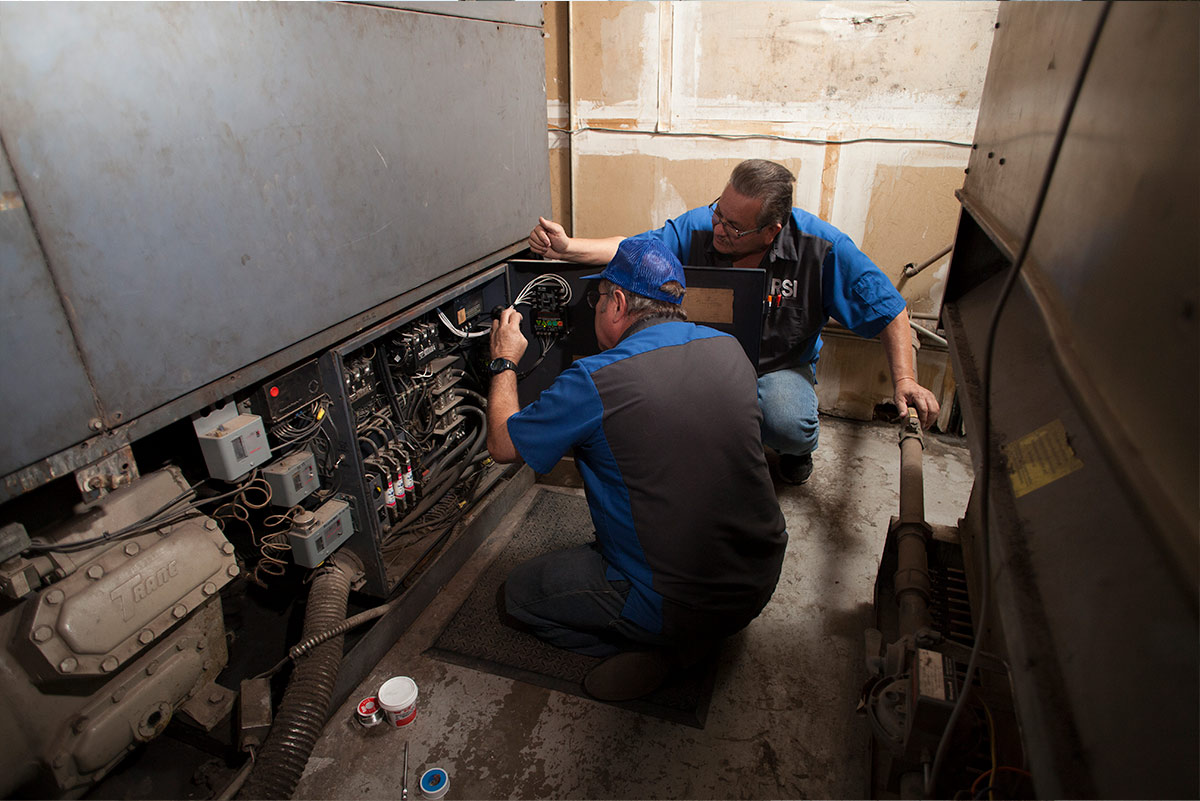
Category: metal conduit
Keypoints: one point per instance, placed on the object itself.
(305, 706)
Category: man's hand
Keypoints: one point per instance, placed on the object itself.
(549, 239)
(507, 341)
(907, 393)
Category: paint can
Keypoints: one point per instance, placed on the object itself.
(368, 713)
(398, 700)
(434, 783)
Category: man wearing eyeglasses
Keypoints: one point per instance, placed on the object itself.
(814, 272)
(664, 425)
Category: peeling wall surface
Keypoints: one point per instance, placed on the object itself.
(662, 99)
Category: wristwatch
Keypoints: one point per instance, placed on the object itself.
(500, 364)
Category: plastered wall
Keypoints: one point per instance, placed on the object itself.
(657, 101)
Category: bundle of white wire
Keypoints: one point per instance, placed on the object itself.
(557, 281)
(564, 289)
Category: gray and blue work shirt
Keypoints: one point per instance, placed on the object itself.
(665, 432)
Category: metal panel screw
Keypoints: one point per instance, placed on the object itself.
(110, 664)
(54, 597)
(146, 637)
(42, 633)
(215, 698)
(179, 611)
(227, 547)
(200, 646)
(232, 570)
(152, 668)
(95, 424)
(68, 665)
(209, 588)
(79, 724)
(95, 572)
(131, 549)
(210, 524)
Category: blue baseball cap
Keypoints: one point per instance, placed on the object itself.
(643, 266)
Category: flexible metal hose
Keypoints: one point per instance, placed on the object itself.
(305, 705)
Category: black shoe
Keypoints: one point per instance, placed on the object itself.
(795, 469)
(627, 675)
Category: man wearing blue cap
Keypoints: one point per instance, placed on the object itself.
(664, 426)
(814, 272)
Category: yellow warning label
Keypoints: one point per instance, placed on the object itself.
(1040, 457)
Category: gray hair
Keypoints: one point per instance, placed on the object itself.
(641, 307)
(767, 181)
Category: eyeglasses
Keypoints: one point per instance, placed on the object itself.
(593, 297)
(730, 227)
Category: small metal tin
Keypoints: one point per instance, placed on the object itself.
(369, 713)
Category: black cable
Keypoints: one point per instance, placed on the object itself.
(985, 404)
(775, 137)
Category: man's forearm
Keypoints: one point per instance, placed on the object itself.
(897, 345)
(592, 251)
(502, 404)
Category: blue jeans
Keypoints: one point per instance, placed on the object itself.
(788, 399)
(565, 599)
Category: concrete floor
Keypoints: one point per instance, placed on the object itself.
(781, 723)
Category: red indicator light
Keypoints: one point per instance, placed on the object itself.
(274, 392)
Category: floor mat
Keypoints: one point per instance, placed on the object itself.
(475, 638)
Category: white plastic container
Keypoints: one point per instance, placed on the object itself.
(398, 700)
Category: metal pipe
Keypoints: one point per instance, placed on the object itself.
(922, 330)
(912, 533)
(910, 269)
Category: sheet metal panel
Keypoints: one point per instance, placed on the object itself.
(214, 182)
(1121, 304)
(1095, 568)
(47, 402)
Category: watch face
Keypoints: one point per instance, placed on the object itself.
(499, 365)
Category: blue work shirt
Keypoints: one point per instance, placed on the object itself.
(814, 272)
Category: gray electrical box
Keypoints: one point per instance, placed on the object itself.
(233, 444)
(315, 535)
(293, 478)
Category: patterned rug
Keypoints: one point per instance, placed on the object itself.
(475, 638)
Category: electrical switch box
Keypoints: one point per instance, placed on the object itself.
(315, 535)
(234, 447)
(293, 478)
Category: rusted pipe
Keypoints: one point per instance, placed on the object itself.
(912, 269)
(912, 533)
